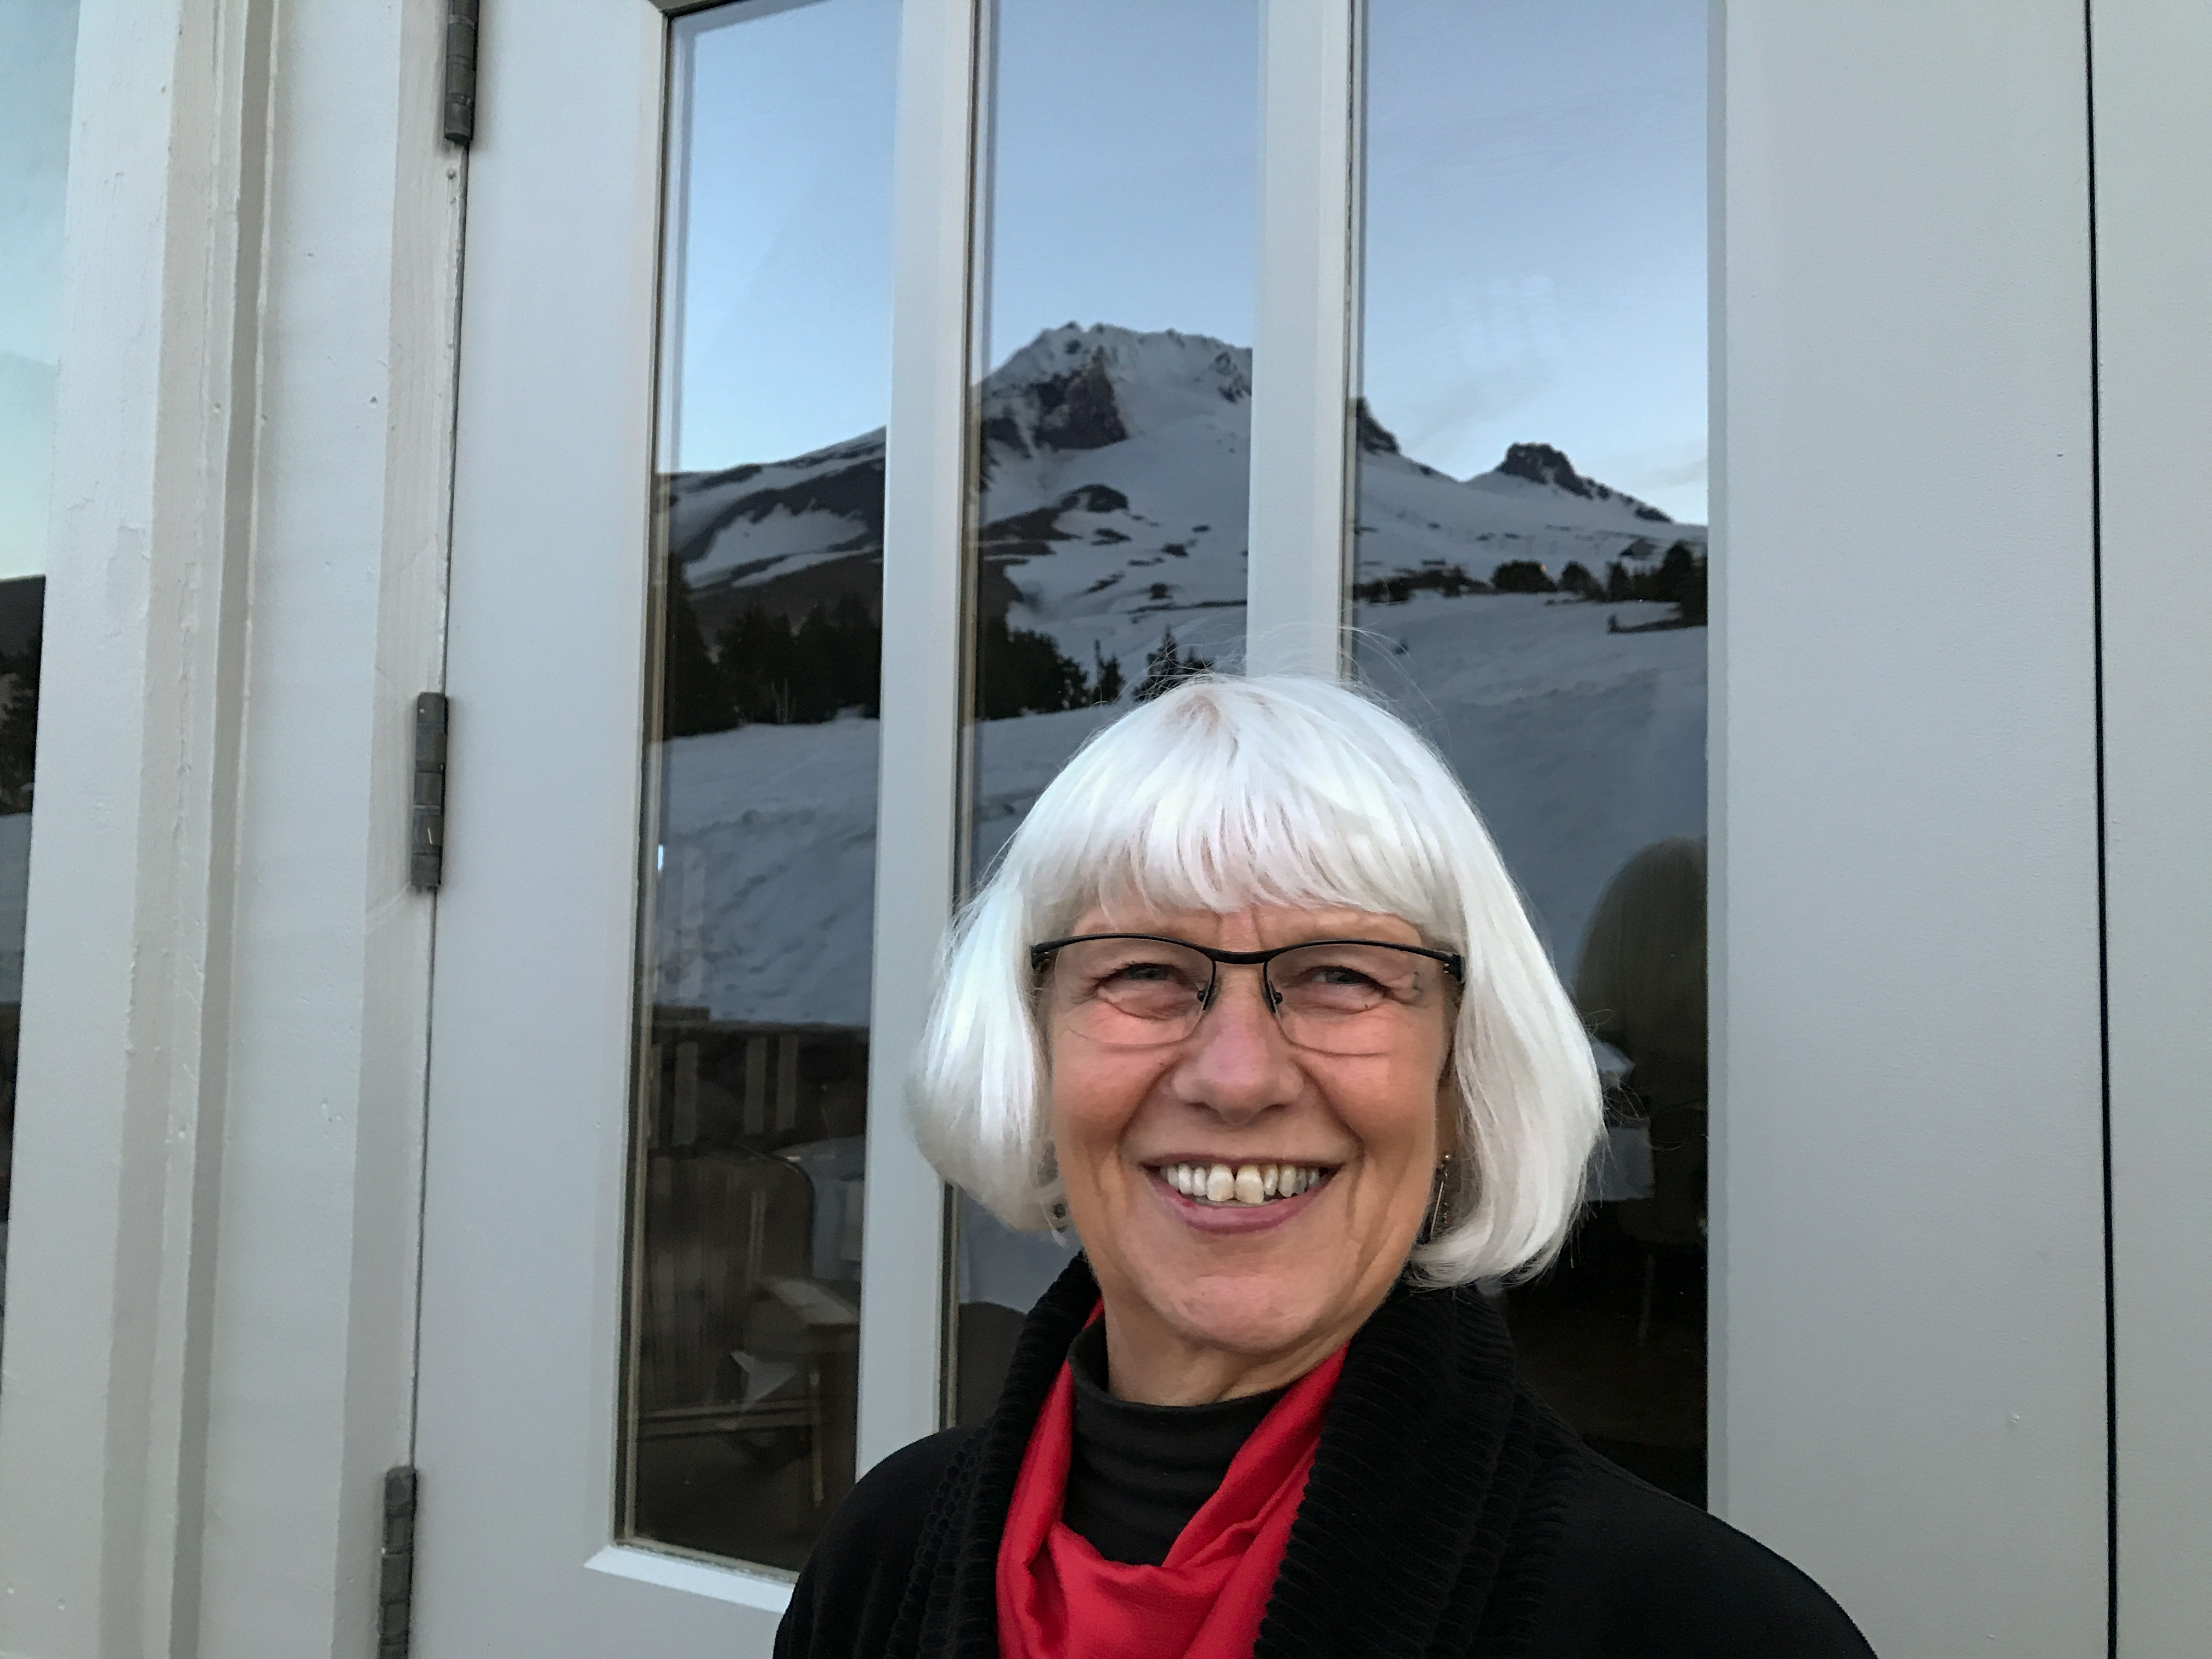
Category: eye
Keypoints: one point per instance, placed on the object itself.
(1326, 985)
(1147, 973)
(1341, 974)
(1345, 979)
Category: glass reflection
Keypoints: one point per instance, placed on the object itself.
(753, 1062)
(1534, 288)
(38, 64)
(1112, 451)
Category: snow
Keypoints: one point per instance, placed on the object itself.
(1580, 746)
(767, 878)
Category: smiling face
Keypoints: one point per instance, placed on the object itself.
(1207, 1294)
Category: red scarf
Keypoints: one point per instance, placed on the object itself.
(1060, 1598)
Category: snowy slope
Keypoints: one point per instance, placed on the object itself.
(1113, 508)
(1580, 747)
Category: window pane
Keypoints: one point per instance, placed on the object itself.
(38, 63)
(1115, 323)
(1534, 291)
(753, 1058)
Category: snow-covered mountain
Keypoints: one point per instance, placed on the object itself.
(1114, 487)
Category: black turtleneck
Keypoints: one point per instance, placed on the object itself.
(1137, 1473)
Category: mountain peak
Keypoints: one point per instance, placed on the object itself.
(1540, 464)
(1128, 353)
(1075, 387)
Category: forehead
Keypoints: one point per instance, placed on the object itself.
(1254, 927)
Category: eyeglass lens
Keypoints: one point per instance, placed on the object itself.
(1335, 997)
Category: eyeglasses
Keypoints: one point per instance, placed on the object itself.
(1341, 996)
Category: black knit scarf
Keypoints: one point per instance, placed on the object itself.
(1428, 1525)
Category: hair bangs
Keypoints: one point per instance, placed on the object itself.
(1194, 811)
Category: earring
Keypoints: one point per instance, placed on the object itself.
(1437, 1199)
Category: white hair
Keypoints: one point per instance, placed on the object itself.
(1274, 790)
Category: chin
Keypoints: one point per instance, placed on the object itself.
(1254, 1312)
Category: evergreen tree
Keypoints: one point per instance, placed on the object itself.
(1449, 580)
(1522, 576)
(1165, 666)
(1106, 686)
(781, 674)
(1021, 672)
(694, 696)
(19, 725)
(1681, 580)
(1576, 578)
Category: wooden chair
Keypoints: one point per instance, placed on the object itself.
(734, 1337)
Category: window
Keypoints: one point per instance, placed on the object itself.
(1529, 583)
(753, 1049)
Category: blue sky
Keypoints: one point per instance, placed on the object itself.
(1536, 236)
(1535, 216)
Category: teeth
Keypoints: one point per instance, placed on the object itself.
(1242, 1183)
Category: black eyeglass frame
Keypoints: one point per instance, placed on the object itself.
(1040, 955)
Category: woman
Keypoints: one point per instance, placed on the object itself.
(1251, 1003)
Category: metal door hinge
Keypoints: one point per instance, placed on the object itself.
(395, 1582)
(426, 814)
(461, 71)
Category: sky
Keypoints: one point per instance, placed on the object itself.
(1125, 167)
(1535, 215)
(38, 55)
(1535, 265)
(783, 308)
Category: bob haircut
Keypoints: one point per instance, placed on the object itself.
(1276, 790)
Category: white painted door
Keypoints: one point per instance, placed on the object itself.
(649, 1158)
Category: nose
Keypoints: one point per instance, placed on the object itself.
(1238, 1063)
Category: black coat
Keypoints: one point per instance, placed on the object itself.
(1449, 1513)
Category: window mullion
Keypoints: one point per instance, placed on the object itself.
(1303, 354)
(925, 617)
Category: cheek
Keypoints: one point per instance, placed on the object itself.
(1092, 1094)
(1395, 1115)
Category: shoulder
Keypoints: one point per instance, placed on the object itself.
(849, 1594)
(1640, 1574)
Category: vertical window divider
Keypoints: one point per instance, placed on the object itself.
(924, 707)
(1305, 343)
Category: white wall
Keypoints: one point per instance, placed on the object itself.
(1909, 1389)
